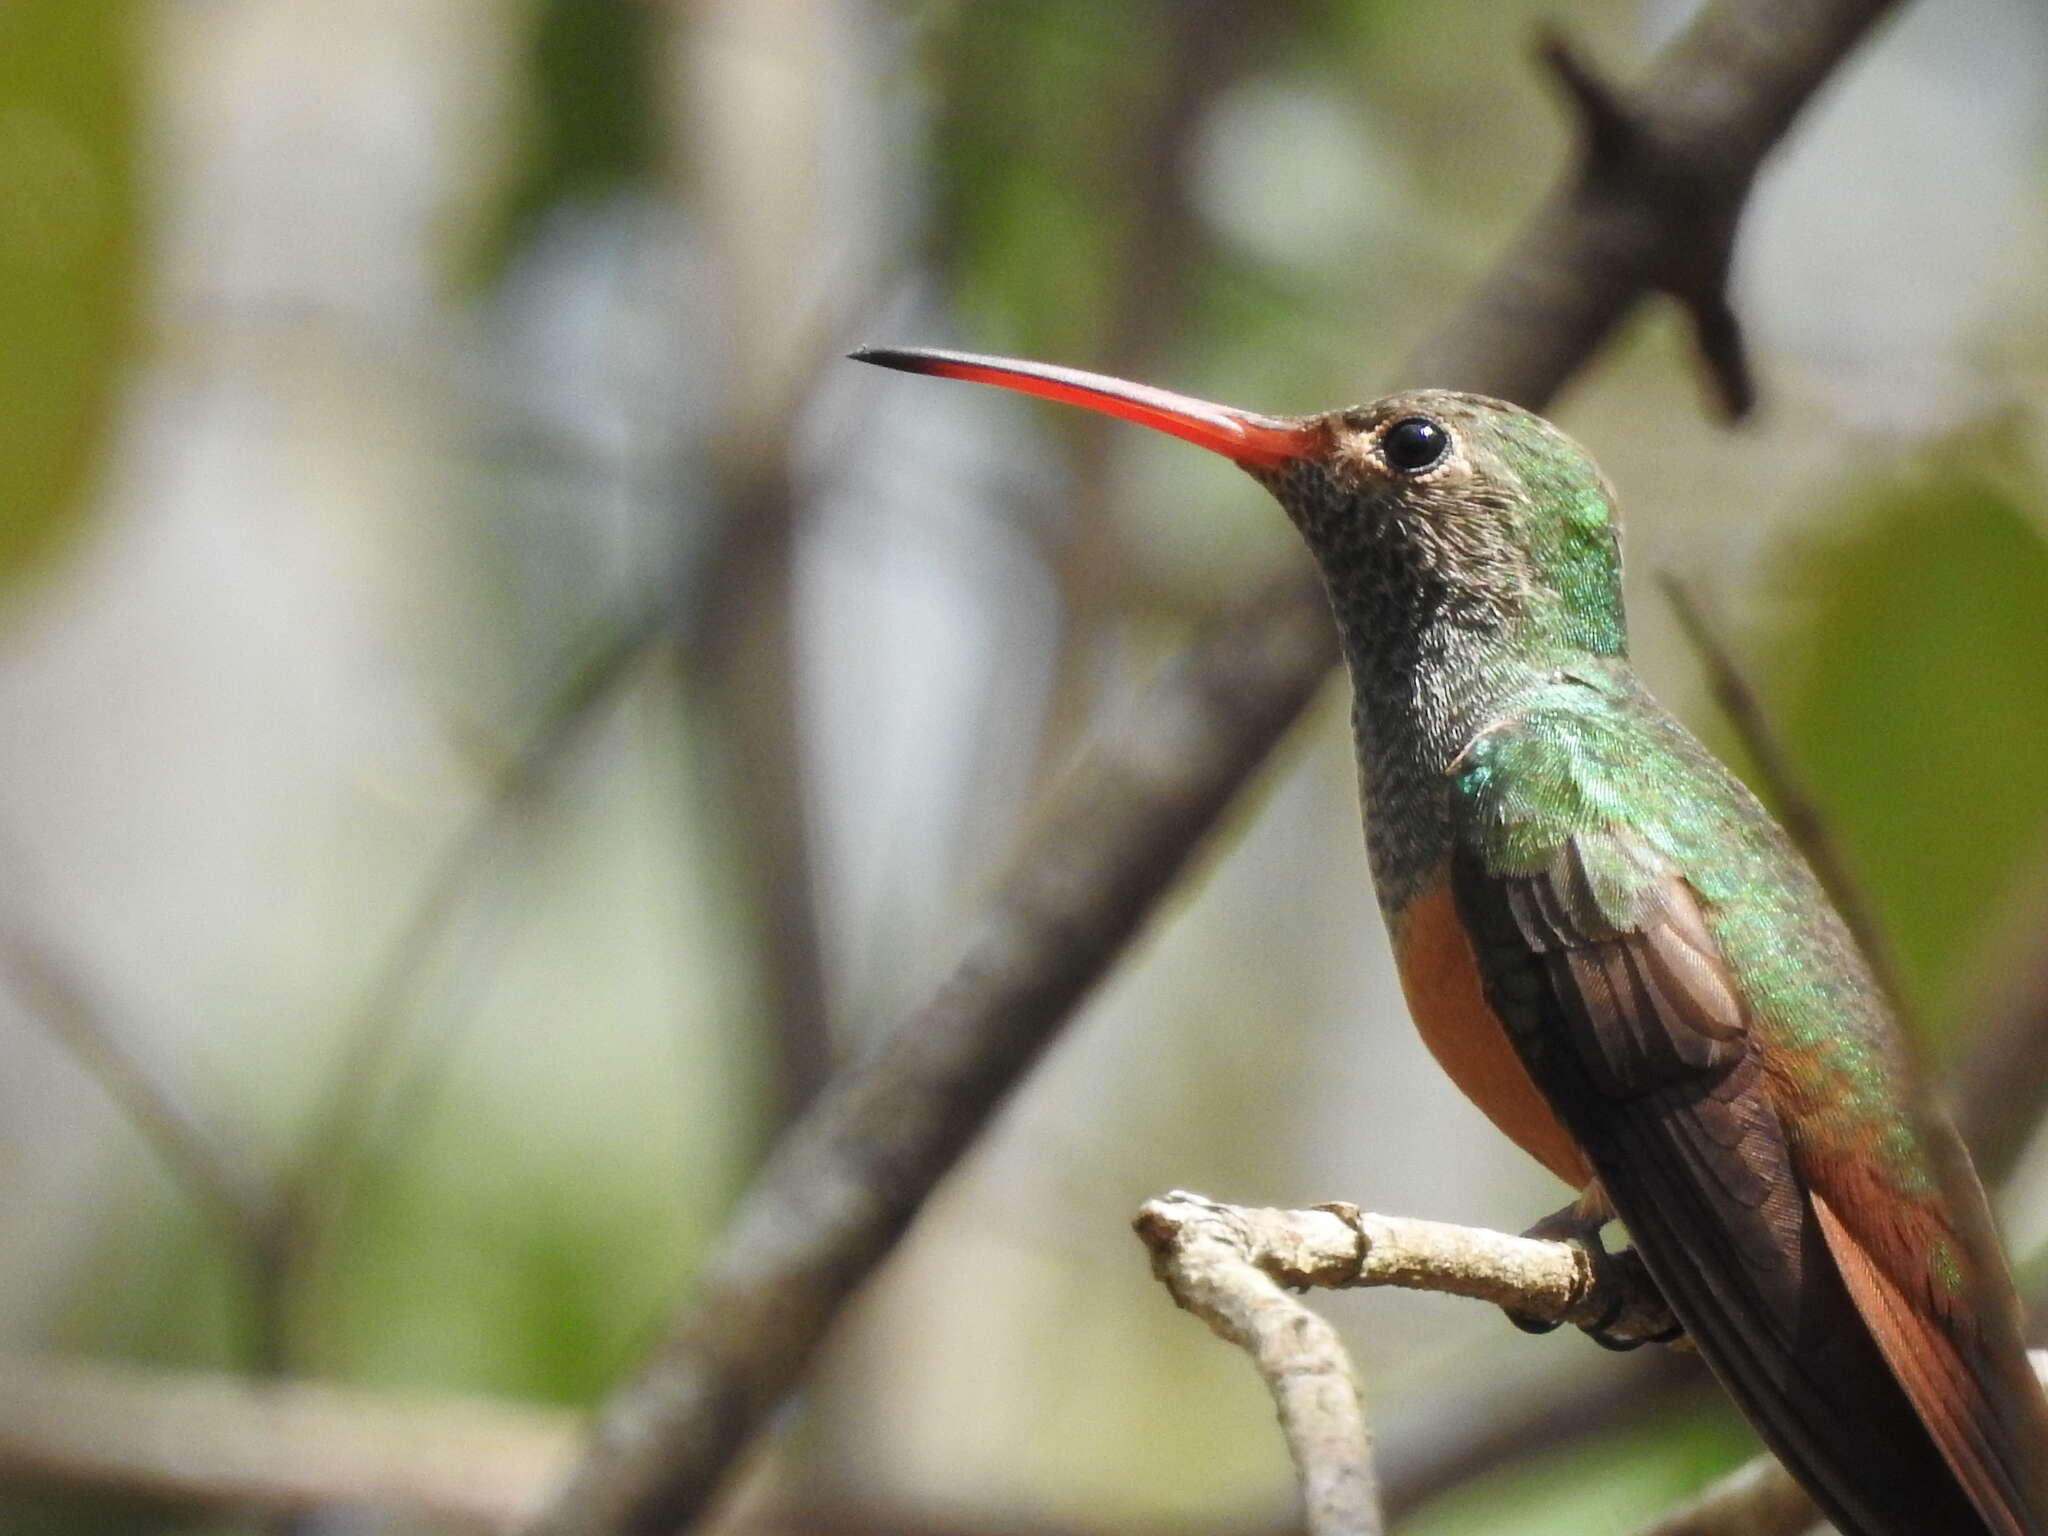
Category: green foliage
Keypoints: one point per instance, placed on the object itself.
(1035, 146)
(593, 102)
(161, 1289)
(1615, 1484)
(1919, 649)
(68, 254)
(484, 1273)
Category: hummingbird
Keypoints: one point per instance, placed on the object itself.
(1614, 951)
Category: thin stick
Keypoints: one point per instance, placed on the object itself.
(221, 1179)
(1234, 1267)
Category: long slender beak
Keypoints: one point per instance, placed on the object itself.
(1256, 442)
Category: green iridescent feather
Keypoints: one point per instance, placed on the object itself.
(1591, 756)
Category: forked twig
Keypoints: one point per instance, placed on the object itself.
(1236, 1268)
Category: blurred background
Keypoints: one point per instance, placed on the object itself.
(491, 706)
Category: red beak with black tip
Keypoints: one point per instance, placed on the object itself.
(1253, 441)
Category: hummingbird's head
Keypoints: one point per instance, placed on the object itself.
(1424, 507)
(1431, 504)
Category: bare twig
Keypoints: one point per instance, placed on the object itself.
(278, 1446)
(1210, 1258)
(221, 1177)
(222, 1180)
(1234, 1268)
(850, 1175)
(1797, 809)
(1339, 1247)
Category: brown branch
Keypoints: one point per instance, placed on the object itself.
(1625, 154)
(1798, 811)
(1236, 1267)
(848, 1177)
(1339, 1247)
(282, 1447)
(1230, 1268)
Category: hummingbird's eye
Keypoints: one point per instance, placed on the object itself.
(1413, 444)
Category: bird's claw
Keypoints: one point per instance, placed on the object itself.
(1576, 1227)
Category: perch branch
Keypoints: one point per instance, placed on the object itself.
(1338, 1246)
(850, 1175)
(1210, 1258)
(1234, 1268)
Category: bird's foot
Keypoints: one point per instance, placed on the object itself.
(1615, 1275)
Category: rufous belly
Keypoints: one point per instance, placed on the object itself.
(1440, 976)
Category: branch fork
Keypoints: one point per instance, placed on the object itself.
(1630, 163)
(1235, 1267)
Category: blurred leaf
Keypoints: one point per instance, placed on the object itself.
(68, 254)
(593, 129)
(1034, 143)
(1920, 653)
(503, 1287)
(1613, 1484)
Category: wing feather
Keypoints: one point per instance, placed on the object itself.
(1635, 1030)
(1974, 1412)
